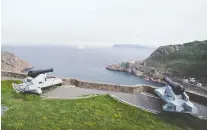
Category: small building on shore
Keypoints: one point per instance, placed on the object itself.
(192, 80)
(199, 84)
(185, 80)
(132, 62)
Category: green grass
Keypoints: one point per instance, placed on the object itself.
(30, 112)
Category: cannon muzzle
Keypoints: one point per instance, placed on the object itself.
(176, 87)
(35, 73)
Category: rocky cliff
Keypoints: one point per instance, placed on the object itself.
(11, 62)
(182, 60)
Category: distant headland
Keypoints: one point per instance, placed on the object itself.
(129, 46)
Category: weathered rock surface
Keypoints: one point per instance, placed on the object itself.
(11, 62)
(139, 69)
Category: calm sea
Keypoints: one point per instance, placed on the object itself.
(85, 64)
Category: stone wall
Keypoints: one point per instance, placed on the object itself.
(100, 86)
(148, 89)
(197, 97)
(13, 74)
(109, 87)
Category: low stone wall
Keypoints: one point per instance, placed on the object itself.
(197, 97)
(109, 87)
(99, 86)
(13, 74)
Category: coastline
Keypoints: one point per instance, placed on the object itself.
(138, 68)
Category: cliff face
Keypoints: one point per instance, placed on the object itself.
(11, 62)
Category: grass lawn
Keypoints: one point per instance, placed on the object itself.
(30, 112)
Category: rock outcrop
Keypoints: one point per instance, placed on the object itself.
(139, 69)
(11, 62)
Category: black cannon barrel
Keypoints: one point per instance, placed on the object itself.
(35, 73)
(176, 87)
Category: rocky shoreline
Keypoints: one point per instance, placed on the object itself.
(184, 63)
(139, 69)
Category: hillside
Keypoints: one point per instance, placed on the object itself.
(11, 62)
(182, 60)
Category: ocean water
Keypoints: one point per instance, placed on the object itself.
(83, 63)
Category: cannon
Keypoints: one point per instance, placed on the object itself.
(35, 73)
(175, 98)
(37, 80)
(176, 87)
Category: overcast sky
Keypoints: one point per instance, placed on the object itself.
(103, 22)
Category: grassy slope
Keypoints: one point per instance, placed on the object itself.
(31, 112)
